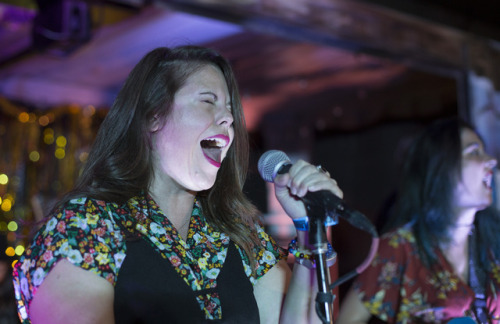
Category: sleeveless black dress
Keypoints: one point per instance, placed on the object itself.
(149, 290)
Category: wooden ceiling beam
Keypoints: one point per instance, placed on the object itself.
(366, 27)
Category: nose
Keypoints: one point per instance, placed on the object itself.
(225, 117)
(491, 162)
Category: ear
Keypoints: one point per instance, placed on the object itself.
(155, 124)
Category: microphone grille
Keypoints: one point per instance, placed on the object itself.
(270, 162)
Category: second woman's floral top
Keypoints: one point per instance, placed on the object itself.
(398, 288)
(91, 235)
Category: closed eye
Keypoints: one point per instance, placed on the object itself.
(476, 152)
(474, 149)
(209, 97)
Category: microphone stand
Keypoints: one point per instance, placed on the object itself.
(319, 206)
(319, 243)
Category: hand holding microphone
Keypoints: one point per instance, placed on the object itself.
(315, 189)
(296, 184)
(311, 187)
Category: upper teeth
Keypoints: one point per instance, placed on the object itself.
(217, 142)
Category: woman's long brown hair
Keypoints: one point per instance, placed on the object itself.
(119, 164)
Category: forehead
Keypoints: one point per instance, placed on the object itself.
(468, 137)
(207, 76)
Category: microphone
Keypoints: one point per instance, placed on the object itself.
(272, 163)
(275, 162)
(320, 205)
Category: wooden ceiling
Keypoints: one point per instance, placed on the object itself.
(313, 59)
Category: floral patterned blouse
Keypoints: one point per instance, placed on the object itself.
(90, 234)
(398, 288)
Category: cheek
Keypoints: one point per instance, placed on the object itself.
(166, 147)
(471, 182)
(231, 135)
(473, 175)
(459, 190)
(174, 136)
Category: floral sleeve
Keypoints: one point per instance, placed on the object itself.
(267, 254)
(81, 232)
(380, 285)
(399, 288)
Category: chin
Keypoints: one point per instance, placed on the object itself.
(485, 205)
(205, 185)
(204, 189)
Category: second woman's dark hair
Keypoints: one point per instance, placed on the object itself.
(429, 175)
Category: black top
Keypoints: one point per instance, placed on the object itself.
(149, 290)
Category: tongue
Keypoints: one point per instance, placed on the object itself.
(213, 153)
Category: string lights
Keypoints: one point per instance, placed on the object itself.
(42, 153)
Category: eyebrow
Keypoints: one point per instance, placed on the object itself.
(471, 146)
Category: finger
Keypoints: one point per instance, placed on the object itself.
(323, 170)
(300, 176)
(330, 186)
(317, 183)
(282, 180)
(307, 177)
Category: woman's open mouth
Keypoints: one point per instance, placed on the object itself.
(212, 148)
(487, 180)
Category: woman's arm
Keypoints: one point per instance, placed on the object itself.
(286, 297)
(299, 305)
(70, 294)
(269, 292)
(352, 310)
